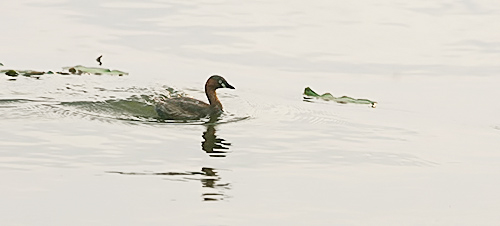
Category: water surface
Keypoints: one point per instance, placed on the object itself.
(89, 150)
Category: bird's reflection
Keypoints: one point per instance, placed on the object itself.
(215, 147)
(211, 144)
(210, 181)
(213, 188)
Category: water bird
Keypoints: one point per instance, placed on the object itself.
(186, 108)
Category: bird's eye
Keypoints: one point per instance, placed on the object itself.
(222, 84)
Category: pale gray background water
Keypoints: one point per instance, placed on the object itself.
(427, 155)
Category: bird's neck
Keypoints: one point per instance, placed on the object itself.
(212, 98)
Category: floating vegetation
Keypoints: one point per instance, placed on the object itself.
(76, 70)
(11, 73)
(27, 73)
(79, 70)
(309, 94)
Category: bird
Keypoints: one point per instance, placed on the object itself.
(186, 108)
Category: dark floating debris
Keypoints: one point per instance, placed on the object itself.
(309, 94)
(26, 73)
(33, 73)
(79, 70)
(76, 70)
(11, 73)
(99, 60)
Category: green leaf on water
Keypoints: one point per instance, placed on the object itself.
(79, 69)
(309, 93)
(27, 73)
(11, 73)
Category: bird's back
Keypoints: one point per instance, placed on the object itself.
(182, 108)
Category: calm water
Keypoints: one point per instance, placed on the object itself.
(87, 150)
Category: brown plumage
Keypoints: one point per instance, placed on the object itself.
(186, 108)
